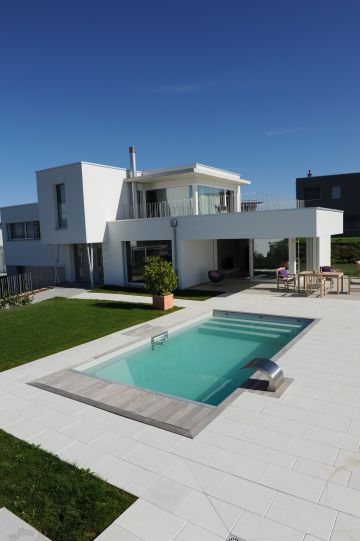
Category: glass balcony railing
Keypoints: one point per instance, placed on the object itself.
(209, 204)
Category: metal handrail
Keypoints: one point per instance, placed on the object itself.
(159, 339)
(270, 369)
(209, 204)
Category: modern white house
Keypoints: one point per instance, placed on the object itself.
(97, 224)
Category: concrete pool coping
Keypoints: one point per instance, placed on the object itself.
(174, 414)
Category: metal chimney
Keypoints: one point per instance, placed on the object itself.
(133, 174)
(132, 152)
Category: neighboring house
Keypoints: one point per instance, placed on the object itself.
(95, 223)
(336, 192)
(2, 258)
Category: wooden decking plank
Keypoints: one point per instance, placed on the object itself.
(169, 413)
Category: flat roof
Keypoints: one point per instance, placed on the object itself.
(190, 169)
(327, 176)
(80, 163)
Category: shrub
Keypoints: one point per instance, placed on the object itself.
(11, 301)
(345, 252)
(159, 275)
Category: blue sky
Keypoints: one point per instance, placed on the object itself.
(266, 88)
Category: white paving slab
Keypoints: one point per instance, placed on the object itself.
(286, 468)
(12, 528)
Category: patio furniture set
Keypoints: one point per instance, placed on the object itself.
(311, 281)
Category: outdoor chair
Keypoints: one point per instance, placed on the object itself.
(284, 277)
(315, 281)
(215, 276)
(329, 279)
(354, 282)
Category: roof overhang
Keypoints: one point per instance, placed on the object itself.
(195, 171)
(268, 224)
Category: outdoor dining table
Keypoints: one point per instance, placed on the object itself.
(308, 277)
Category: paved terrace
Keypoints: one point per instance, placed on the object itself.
(267, 469)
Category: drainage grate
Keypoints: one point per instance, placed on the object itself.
(234, 538)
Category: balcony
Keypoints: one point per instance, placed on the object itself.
(209, 204)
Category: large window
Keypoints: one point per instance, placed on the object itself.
(61, 206)
(213, 200)
(269, 255)
(312, 196)
(24, 231)
(335, 192)
(137, 252)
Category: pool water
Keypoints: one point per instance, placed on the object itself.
(203, 362)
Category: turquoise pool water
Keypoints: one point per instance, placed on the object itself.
(203, 362)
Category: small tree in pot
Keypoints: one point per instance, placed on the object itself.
(160, 280)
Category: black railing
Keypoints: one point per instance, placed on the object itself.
(25, 282)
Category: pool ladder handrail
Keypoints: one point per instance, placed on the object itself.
(270, 369)
(159, 339)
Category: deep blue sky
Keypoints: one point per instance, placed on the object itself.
(268, 88)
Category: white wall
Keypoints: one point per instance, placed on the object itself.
(113, 258)
(275, 224)
(195, 259)
(324, 249)
(92, 193)
(32, 253)
(71, 176)
(101, 188)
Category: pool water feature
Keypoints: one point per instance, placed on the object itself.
(204, 361)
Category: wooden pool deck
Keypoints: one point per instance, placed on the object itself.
(183, 417)
(176, 415)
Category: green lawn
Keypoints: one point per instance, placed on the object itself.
(345, 240)
(63, 502)
(190, 294)
(30, 332)
(349, 269)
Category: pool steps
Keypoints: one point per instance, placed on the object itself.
(233, 327)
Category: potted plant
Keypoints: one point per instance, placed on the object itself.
(160, 280)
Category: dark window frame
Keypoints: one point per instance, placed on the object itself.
(35, 226)
(61, 214)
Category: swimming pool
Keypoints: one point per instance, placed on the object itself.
(203, 362)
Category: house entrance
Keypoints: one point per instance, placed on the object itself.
(233, 256)
(82, 267)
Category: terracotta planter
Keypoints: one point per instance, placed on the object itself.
(163, 302)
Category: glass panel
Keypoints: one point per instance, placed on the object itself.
(270, 254)
(214, 200)
(137, 253)
(36, 230)
(61, 206)
(17, 230)
(29, 230)
(312, 193)
(336, 192)
(156, 203)
(60, 189)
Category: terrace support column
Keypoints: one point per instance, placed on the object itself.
(312, 254)
(55, 260)
(237, 202)
(90, 254)
(292, 256)
(134, 200)
(251, 259)
(196, 199)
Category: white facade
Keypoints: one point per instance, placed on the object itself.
(196, 235)
(96, 222)
(92, 198)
